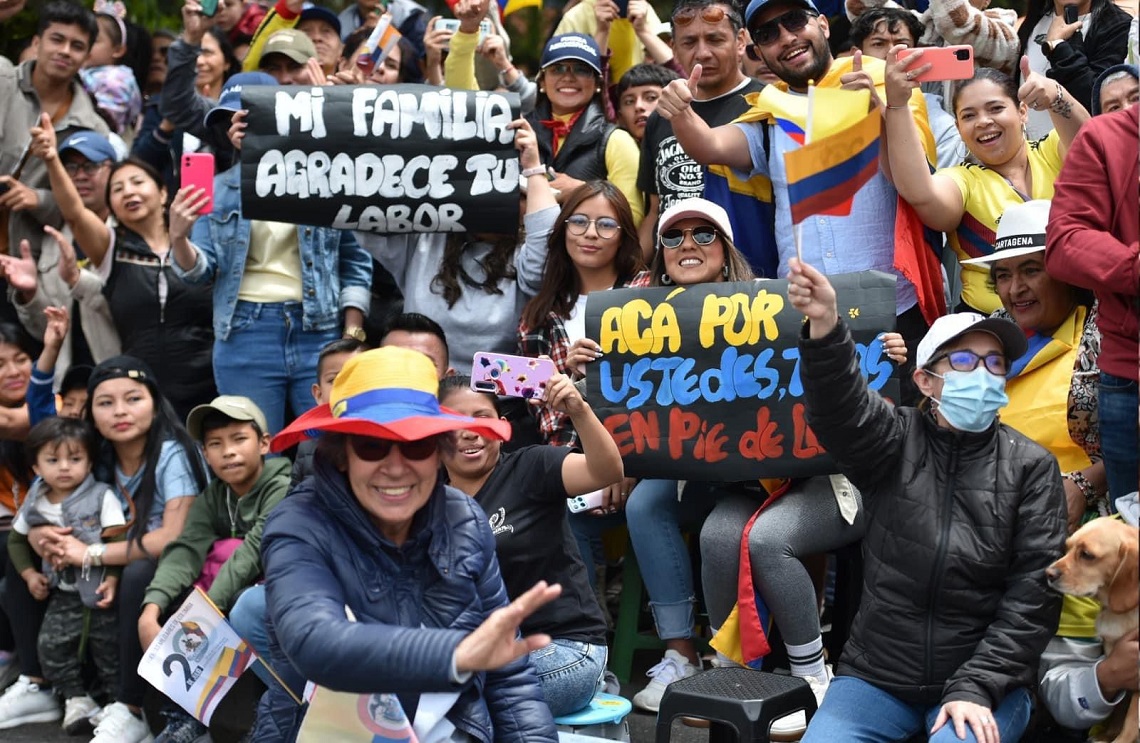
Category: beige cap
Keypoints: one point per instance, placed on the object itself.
(232, 406)
(292, 43)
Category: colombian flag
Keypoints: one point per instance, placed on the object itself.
(752, 212)
(506, 7)
(825, 175)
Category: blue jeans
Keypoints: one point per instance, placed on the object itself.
(247, 617)
(655, 518)
(570, 673)
(855, 711)
(1118, 434)
(270, 359)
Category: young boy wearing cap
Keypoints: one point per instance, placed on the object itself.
(219, 548)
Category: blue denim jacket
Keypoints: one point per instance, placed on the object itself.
(336, 273)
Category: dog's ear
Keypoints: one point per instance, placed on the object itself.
(1124, 589)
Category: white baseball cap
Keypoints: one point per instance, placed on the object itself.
(701, 209)
(1021, 230)
(951, 327)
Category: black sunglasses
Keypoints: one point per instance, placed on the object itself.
(965, 360)
(793, 21)
(702, 235)
(371, 449)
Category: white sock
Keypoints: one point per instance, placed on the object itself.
(807, 659)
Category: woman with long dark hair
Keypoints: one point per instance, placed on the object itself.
(1073, 54)
(475, 286)
(154, 467)
(161, 318)
(593, 247)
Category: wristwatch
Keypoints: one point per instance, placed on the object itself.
(1047, 47)
(356, 333)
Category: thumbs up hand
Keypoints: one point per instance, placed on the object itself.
(677, 97)
(859, 79)
(1037, 91)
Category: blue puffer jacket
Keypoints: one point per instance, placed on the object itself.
(413, 605)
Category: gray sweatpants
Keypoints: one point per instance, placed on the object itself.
(804, 521)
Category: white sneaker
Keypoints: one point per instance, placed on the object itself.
(119, 725)
(24, 702)
(673, 667)
(793, 726)
(77, 713)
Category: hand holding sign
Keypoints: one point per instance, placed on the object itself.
(677, 97)
(812, 294)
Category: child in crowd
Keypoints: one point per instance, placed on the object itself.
(73, 388)
(329, 362)
(219, 548)
(637, 93)
(79, 613)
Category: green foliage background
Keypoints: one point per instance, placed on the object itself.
(529, 28)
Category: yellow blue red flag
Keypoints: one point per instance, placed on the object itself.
(825, 174)
(506, 7)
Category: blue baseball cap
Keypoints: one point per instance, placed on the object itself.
(310, 11)
(755, 6)
(572, 46)
(230, 101)
(92, 145)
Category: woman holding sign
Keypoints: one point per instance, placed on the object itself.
(963, 516)
(375, 531)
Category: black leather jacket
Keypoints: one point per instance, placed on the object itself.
(960, 529)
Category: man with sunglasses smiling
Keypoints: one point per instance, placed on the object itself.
(709, 33)
(791, 38)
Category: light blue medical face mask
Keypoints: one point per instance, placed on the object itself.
(970, 400)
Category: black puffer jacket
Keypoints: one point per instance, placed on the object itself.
(583, 152)
(960, 529)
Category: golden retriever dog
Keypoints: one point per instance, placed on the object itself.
(1102, 561)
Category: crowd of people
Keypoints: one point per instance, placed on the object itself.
(283, 415)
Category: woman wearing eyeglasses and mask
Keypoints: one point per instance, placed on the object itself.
(375, 534)
(574, 138)
(963, 514)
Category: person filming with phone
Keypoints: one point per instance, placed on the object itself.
(966, 201)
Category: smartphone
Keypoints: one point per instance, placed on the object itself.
(452, 25)
(947, 62)
(513, 376)
(198, 170)
(623, 8)
(1071, 14)
(586, 502)
(209, 7)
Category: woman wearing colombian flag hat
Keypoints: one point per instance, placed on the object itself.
(376, 532)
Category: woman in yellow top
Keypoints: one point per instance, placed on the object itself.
(1005, 168)
(1052, 388)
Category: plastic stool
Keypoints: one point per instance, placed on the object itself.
(627, 635)
(604, 718)
(740, 703)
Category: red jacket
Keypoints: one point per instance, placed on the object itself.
(1094, 231)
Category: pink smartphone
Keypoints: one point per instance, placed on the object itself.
(948, 62)
(513, 376)
(198, 170)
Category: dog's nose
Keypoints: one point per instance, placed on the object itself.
(1052, 573)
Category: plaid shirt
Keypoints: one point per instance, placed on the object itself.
(551, 340)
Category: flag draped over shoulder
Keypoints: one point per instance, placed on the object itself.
(752, 212)
(842, 154)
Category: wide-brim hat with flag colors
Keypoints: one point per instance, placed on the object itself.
(388, 393)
